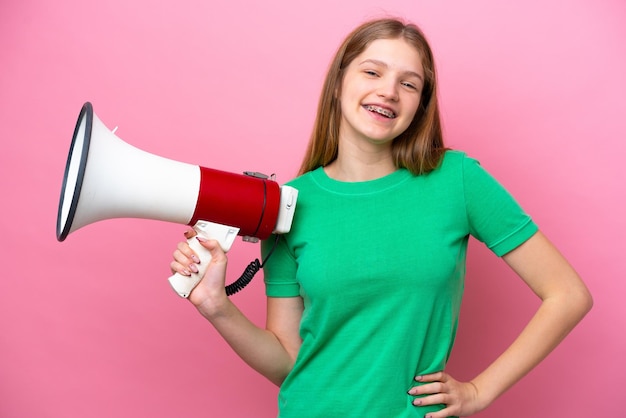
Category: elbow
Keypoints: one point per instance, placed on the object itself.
(587, 301)
(582, 300)
(575, 302)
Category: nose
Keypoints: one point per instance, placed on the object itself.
(388, 89)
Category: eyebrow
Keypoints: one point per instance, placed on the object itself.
(384, 64)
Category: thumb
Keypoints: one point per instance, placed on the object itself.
(214, 247)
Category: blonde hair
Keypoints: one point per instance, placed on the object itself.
(420, 147)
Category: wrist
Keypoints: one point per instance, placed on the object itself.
(214, 307)
(484, 397)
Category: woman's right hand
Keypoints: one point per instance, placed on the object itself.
(210, 292)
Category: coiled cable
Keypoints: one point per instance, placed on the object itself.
(249, 272)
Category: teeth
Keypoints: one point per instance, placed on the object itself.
(380, 110)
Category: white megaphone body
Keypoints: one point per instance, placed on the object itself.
(107, 178)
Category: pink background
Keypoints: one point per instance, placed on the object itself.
(90, 328)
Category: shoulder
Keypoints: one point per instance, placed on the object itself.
(455, 158)
(302, 179)
(459, 162)
(453, 163)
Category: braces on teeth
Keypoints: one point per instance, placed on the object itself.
(380, 110)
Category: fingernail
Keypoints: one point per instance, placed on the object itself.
(195, 259)
(186, 273)
(193, 268)
(199, 238)
(418, 378)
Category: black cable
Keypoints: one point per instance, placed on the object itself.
(249, 272)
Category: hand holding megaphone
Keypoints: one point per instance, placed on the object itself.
(223, 234)
(107, 178)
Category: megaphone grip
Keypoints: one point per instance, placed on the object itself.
(225, 235)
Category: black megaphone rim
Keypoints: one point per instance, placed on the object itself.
(64, 229)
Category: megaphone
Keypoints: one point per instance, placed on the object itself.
(107, 178)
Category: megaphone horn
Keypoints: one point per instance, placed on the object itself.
(107, 178)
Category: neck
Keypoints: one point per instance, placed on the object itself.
(358, 165)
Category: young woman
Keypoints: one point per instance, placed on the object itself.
(364, 293)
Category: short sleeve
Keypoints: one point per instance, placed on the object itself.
(279, 269)
(495, 218)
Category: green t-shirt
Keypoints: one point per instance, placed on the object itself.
(380, 266)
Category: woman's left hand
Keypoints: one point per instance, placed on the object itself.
(461, 398)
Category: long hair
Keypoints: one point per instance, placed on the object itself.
(420, 147)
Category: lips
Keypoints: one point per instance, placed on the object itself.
(380, 110)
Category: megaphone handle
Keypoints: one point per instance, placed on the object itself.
(225, 235)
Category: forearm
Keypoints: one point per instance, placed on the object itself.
(554, 319)
(258, 347)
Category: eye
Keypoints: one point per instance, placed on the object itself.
(411, 86)
(371, 73)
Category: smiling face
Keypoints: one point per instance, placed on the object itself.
(380, 92)
(395, 48)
